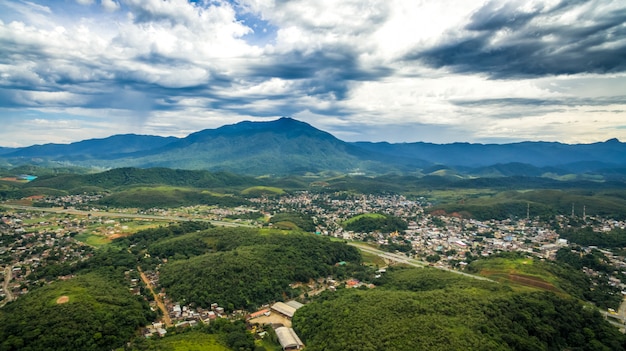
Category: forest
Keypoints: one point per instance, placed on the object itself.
(615, 238)
(424, 309)
(375, 222)
(99, 314)
(244, 268)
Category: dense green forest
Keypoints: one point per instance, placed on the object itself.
(375, 222)
(423, 309)
(101, 314)
(289, 220)
(244, 268)
(167, 197)
(586, 236)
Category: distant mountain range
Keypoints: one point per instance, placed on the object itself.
(287, 146)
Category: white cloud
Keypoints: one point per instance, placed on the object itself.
(110, 5)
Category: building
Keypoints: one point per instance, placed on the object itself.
(288, 339)
(284, 309)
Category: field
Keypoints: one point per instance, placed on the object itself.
(520, 273)
(96, 240)
(371, 259)
(256, 190)
(190, 341)
(366, 215)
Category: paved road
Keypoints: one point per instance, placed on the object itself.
(409, 261)
(122, 215)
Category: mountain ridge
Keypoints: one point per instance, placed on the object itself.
(288, 146)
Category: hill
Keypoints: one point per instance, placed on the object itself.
(424, 309)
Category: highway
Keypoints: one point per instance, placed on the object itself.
(121, 215)
(409, 261)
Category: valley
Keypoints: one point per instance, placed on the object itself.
(167, 249)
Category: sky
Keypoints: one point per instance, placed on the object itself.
(437, 71)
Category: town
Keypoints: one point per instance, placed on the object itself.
(68, 230)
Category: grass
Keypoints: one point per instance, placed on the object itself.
(521, 273)
(268, 345)
(93, 239)
(365, 215)
(371, 259)
(191, 341)
(262, 190)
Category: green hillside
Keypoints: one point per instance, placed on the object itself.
(99, 314)
(422, 309)
(244, 268)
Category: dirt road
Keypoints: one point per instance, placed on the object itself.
(157, 298)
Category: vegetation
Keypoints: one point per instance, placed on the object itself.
(422, 309)
(543, 203)
(527, 273)
(586, 236)
(298, 220)
(242, 268)
(167, 197)
(100, 314)
(220, 335)
(375, 222)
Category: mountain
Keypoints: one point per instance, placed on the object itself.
(287, 146)
(107, 148)
(6, 150)
(283, 146)
(538, 154)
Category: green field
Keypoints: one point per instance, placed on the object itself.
(365, 215)
(191, 341)
(91, 239)
(256, 190)
(372, 259)
(520, 273)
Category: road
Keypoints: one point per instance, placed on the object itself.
(8, 275)
(121, 215)
(409, 261)
(157, 298)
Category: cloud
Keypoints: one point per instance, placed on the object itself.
(529, 39)
(363, 69)
(110, 5)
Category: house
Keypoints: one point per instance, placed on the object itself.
(263, 312)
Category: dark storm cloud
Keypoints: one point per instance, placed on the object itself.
(504, 41)
(321, 72)
(565, 102)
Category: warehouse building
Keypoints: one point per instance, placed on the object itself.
(288, 339)
(287, 309)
